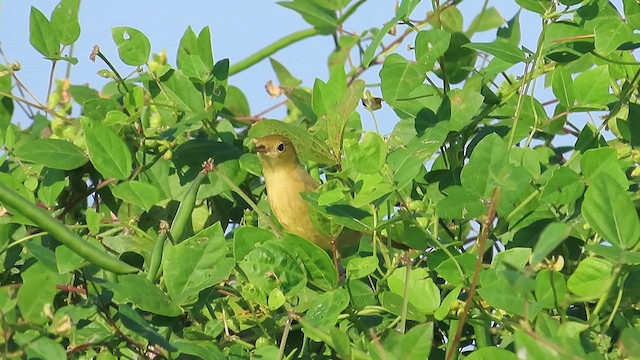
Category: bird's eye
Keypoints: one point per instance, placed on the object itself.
(281, 147)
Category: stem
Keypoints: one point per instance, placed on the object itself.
(482, 241)
(271, 49)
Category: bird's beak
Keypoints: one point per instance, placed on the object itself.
(260, 149)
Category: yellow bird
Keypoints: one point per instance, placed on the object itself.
(286, 178)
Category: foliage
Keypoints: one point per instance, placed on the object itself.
(134, 221)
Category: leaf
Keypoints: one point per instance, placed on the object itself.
(370, 52)
(107, 151)
(491, 353)
(464, 104)
(136, 323)
(320, 268)
(399, 77)
(41, 34)
(324, 310)
(307, 146)
(285, 78)
(197, 263)
(417, 342)
(591, 88)
(64, 21)
(181, 90)
(459, 204)
(504, 51)
(604, 160)
(551, 288)
(53, 153)
(367, 157)
(552, 236)
(591, 278)
(135, 289)
(133, 46)
(38, 289)
(53, 183)
(45, 348)
(325, 21)
(247, 238)
(458, 61)
(488, 164)
(537, 6)
(564, 186)
(562, 86)
(270, 266)
(421, 291)
(337, 120)
(632, 13)
(360, 267)
(610, 212)
(488, 19)
(610, 34)
(137, 193)
(430, 45)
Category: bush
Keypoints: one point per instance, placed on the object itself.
(141, 227)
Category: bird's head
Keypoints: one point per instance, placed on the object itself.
(276, 151)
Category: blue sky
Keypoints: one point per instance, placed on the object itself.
(238, 29)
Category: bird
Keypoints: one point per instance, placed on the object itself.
(285, 178)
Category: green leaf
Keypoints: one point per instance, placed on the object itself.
(285, 78)
(449, 19)
(137, 193)
(417, 342)
(337, 120)
(458, 61)
(507, 290)
(551, 288)
(247, 238)
(42, 35)
(67, 260)
(552, 236)
(504, 51)
(64, 21)
(430, 45)
(45, 348)
(591, 278)
(488, 164)
(270, 266)
(325, 21)
(564, 186)
(320, 268)
(399, 78)
(307, 146)
(632, 13)
(447, 303)
(610, 212)
(324, 310)
(562, 86)
(591, 87)
(38, 289)
(393, 303)
(421, 291)
(53, 153)
(491, 353)
(604, 160)
(133, 46)
(463, 106)
(537, 6)
(370, 52)
(53, 183)
(196, 264)
(143, 294)
(367, 157)
(179, 88)
(459, 204)
(630, 341)
(360, 267)
(107, 151)
(136, 323)
(610, 34)
(488, 19)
